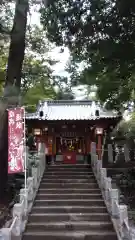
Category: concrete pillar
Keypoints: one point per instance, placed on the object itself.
(17, 225)
(103, 174)
(34, 175)
(110, 153)
(126, 153)
(93, 147)
(5, 234)
(30, 184)
(99, 147)
(107, 192)
(24, 199)
(115, 201)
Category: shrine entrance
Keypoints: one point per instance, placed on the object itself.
(69, 148)
(68, 127)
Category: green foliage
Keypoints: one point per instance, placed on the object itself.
(36, 93)
(3, 62)
(126, 128)
(37, 81)
(34, 71)
(6, 20)
(101, 33)
(65, 94)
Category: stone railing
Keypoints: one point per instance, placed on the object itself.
(118, 212)
(22, 208)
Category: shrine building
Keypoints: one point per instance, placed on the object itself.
(67, 127)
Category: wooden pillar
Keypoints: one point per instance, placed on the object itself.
(54, 145)
(99, 146)
(99, 133)
(88, 144)
(50, 144)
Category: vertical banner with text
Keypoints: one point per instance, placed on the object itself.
(16, 143)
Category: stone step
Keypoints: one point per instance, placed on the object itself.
(73, 202)
(69, 209)
(84, 180)
(70, 170)
(75, 235)
(70, 226)
(68, 190)
(69, 205)
(69, 176)
(65, 166)
(67, 196)
(69, 184)
(47, 217)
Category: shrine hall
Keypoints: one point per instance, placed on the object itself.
(67, 127)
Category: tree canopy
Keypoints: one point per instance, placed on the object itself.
(101, 34)
(37, 78)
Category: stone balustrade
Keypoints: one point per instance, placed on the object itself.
(118, 212)
(21, 210)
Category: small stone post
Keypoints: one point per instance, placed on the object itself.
(123, 218)
(24, 199)
(30, 183)
(115, 200)
(93, 147)
(18, 225)
(5, 234)
(110, 153)
(126, 153)
(102, 176)
(34, 175)
(108, 185)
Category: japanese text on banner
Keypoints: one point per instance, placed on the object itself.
(16, 140)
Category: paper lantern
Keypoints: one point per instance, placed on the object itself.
(99, 131)
(37, 131)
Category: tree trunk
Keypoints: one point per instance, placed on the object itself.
(12, 84)
(17, 45)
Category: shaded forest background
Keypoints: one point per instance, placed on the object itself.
(100, 36)
(37, 79)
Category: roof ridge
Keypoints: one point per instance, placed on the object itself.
(71, 110)
(69, 102)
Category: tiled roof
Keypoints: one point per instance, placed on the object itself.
(70, 110)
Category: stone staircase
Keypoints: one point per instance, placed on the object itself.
(69, 205)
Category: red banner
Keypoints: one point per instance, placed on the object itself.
(16, 140)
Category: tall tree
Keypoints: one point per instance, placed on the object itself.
(12, 82)
(101, 34)
(17, 45)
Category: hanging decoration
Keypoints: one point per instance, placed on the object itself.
(71, 148)
(70, 144)
(69, 139)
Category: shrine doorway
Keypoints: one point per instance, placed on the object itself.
(69, 148)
